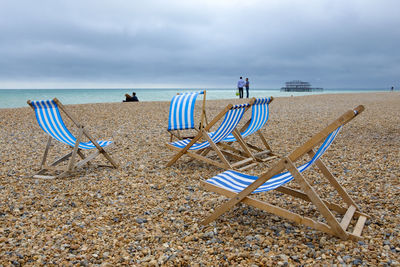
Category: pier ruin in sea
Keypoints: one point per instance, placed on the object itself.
(299, 86)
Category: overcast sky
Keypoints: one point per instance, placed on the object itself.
(210, 43)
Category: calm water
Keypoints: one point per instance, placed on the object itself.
(13, 98)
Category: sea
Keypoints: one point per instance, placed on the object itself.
(15, 98)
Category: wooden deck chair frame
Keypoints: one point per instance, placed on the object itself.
(260, 152)
(307, 193)
(203, 122)
(242, 162)
(72, 165)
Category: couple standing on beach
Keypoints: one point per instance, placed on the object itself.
(242, 84)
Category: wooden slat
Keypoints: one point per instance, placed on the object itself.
(262, 153)
(44, 177)
(247, 166)
(359, 226)
(233, 155)
(347, 217)
(55, 168)
(242, 162)
(90, 157)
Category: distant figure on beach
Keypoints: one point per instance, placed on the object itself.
(240, 86)
(127, 98)
(391, 89)
(247, 87)
(132, 98)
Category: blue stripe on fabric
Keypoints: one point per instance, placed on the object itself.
(50, 120)
(236, 182)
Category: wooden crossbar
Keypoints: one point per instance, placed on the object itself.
(347, 217)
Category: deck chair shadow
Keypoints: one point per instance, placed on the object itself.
(259, 118)
(49, 118)
(239, 187)
(196, 149)
(181, 114)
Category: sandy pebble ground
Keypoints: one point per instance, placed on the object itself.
(146, 214)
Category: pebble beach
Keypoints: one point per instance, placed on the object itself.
(145, 214)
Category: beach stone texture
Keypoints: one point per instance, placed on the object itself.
(144, 214)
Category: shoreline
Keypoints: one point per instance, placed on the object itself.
(144, 95)
(227, 99)
(146, 214)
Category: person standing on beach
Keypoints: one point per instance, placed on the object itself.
(240, 86)
(247, 87)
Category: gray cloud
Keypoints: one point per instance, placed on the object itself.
(207, 43)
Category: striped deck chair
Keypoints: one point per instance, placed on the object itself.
(239, 187)
(259, 118)
(232, 116)
(49, 118)
(181, 114)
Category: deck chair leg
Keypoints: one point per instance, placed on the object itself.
(79, 152)
(310, 192)
(264, 141)
(75, 149)
(241, 142)
(203, 116)
(183, 151)
(102, 151)
(325, 171)
(216, 149)
(46, 151)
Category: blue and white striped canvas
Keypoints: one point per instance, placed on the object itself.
(181, 111)
(49, 118)
(236, 182)
(259, 117)
(231, 120)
